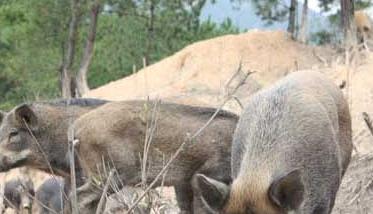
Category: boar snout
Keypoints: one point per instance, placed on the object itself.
(9, 160)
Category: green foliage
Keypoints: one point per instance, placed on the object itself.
(362, 4)
(33, 37)
(271, 10)
(322, 37)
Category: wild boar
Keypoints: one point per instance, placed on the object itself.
(116, 132)
(50, 196)
(290, 150)
(34, 134)
(363, 26)
(18, 194)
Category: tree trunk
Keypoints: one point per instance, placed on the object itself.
(81, 78)
(347, 17)
(304, 23)
(65, 71)
(150, 31)
(292, 17)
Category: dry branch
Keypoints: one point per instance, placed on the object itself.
(71, 144)
(190, 138)
(101, 203)
(149, 133)
(2, 198)
(41, 204)
(368, 122)
(40, 148)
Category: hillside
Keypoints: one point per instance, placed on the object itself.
(197, 74)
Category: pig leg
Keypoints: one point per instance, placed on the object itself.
(88, 196)
(184, 197)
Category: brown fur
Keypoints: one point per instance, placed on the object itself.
(363, 26)
(49, 123)
(116, 131)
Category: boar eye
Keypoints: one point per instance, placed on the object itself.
(13, 133)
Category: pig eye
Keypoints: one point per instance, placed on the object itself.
(13, 133)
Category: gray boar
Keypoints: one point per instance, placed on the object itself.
(116, 133)
(50, 196)
(290, 150)
(18, 194)
(34, 134)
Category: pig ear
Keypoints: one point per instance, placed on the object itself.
(214, 193)
(287, 191)
(24, 113)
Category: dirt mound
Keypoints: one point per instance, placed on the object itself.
(197, 74)
(361, 99)
(356, 192)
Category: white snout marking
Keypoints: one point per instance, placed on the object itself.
(14, 157)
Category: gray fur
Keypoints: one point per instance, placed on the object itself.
(51, 194)
(18, 194)
(300, 123)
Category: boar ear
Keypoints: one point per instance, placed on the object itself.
(214, 193)
(287, 191)
(24, 113)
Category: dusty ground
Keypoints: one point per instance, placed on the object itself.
(355, 195)
(197, 75)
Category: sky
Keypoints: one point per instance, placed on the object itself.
(245, 18)
(313, 5)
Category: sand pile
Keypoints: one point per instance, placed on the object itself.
(198, 73)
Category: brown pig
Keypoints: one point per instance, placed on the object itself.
(116, 132)
(34, 134)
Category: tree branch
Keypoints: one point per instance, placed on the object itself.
(65, 71)
(81, 78)
(368, 121)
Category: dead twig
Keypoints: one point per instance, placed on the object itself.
(2, 188)
(149, 133)
(321, 59)
(368, 122)
(190, 138)
(39, 147)
(41, 204)
(71, 143)
(45, 157)
(105, 190)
